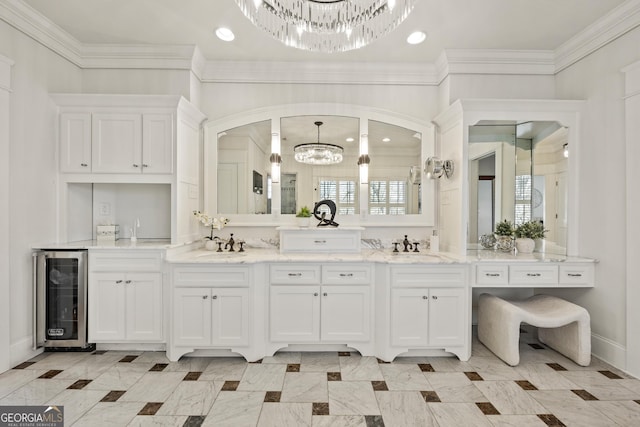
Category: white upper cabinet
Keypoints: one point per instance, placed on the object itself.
(116, 143)
(75, 142)
(120, 134)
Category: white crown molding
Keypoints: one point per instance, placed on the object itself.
(495, 61)
(619, 21)
(316, 72)
(198, 63)
(24, 18)
(123, 56)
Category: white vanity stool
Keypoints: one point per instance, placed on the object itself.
(563, 326)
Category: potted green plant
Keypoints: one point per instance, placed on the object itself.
(527, 234)
(304, 216)
(504, 235)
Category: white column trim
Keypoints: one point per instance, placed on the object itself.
(632, 111)
(5, 265)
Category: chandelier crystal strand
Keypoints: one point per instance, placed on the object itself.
(317, 153)
(326, 25)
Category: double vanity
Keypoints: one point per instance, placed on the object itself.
(297, 297)
(310, 288)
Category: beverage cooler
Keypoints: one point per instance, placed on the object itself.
(60, 299)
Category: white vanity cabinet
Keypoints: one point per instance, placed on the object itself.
(429, 309)
(211, 308)
(320, 303)
(125, 296)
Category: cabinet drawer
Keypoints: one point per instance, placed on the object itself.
(576, 275)
(346, 274)
(420, 276)
(492, 275)
(223, 276)
(533, 275)
(125, 260)
(330, 240)
(295, 274)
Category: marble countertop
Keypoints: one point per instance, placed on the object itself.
(498, 256)
(252, 255)
(118, 244)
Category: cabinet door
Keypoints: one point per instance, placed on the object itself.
(409, 317)
(230, 316)
(157, 143)
(345, 313)
(144, 306)
(295, 314)
(192, 317)
(106, 307)
(447, 316)
(116, 143)
(75, 142)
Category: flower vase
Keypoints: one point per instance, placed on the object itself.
(210, 245)
(525, 245)
(504, 243)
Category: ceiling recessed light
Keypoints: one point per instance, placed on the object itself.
(225, 34)
(386, 139)
(349, 139)
(416, 37)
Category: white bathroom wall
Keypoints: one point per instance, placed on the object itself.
(602, 199)
(36, 72)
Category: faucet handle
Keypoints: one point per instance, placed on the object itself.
(415, 246)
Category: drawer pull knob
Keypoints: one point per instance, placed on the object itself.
(205, 296)
(127, 281)
(136, 166)
(295, 274)
(574, 274)
(324, 294)
(118, 281)
(346, 274)
(425, 297)
(320, 242)
(84, 165)
(492, 274)
(533, 274)
(315, 294)
(214, 297)
(435, 297)
(144, 165)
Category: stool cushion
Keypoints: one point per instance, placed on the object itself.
(563, 326)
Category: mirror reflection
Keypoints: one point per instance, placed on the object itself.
(395, 172)
(241, 181)
(518, 172)
(243, 169)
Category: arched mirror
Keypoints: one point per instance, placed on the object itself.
(237, 168)
(518, 171)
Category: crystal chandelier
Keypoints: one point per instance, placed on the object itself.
(317, 153)
(326, 25)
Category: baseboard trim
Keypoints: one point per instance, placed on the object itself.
(22, 351)
(609, 351)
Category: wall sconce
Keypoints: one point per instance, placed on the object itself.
(364, 160)
(363, 163)
(435, 168)
(275, 158)
(565, 151)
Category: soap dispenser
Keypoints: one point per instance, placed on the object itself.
(434, 242)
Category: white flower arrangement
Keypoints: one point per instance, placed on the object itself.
(216, 223)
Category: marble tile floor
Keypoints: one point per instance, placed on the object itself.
(111, 388)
